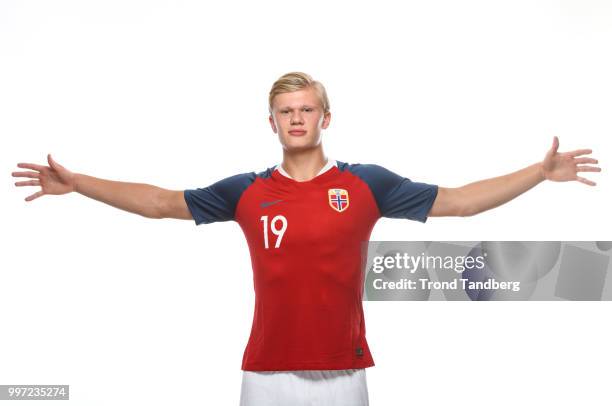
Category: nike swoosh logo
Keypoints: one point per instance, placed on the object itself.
(266, 204)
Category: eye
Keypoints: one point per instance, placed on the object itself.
(307, 109)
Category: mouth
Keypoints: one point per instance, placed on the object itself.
(297, 132)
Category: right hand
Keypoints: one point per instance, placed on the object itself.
(53, 179)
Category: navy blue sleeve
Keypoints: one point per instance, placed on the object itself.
(218, 201)
(397, 196)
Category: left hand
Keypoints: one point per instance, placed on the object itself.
(564, 166)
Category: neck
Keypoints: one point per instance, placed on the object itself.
(304, 165)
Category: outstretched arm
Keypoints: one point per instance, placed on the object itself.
(486, 194)
(139, 198)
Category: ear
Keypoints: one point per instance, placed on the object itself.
(271, 119)
(326, 120)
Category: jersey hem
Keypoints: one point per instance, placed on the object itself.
(306, 366)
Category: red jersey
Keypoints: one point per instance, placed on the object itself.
(306, 241)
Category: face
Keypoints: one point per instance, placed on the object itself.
(298, 118)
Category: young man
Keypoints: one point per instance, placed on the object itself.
(304, 221)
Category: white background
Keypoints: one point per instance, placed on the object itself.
(129, 310)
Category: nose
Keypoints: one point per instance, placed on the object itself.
(296, 118)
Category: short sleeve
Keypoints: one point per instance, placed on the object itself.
(397, 196)
(218, 201)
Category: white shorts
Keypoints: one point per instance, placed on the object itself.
(346, 387)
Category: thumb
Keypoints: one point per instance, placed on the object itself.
(555, 145)
(54, 165)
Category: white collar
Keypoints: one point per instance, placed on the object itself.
(330, 163)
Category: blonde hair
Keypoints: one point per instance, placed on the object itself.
(294, 81)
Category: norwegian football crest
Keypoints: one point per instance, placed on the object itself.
(338, 199)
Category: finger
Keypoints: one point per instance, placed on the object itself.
(587, 168)
(28, 183)
(579, 152)
(31, 166)
(51, 162)
(555, 145)
(585, 161)
(585, 181)
(26, 174)
(34, 196)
